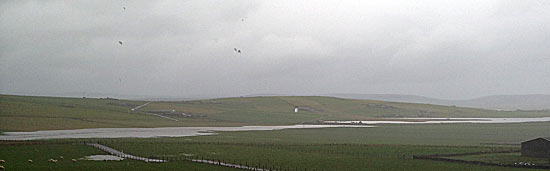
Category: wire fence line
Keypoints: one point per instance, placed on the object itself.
(163, 159)
(332, 148)
(122, 154)
(443, 157)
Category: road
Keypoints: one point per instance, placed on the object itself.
(140, 106)
(162, 116)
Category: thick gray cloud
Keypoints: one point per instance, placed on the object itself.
(445, 49)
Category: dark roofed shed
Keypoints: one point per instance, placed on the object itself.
(538, 147)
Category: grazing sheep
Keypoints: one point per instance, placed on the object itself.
(74, 160)
(2, 168)
(30, 161)
(2, 161)
(60, 157)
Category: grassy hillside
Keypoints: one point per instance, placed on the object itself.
(24, 113)
(279, 110)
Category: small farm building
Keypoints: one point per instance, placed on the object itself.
(538, 147)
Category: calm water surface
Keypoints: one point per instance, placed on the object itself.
(148, 132)
(197, 131)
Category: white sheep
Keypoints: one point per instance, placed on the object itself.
(2, 161)
(30, 161)
(2, 168)
(60, 157)
(74, 160)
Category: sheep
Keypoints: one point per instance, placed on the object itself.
(2, 161)
(30, 161)
(60, 157)
(74, 160)
(2, 168)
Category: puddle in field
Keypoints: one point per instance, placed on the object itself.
(443, 120)
(103, 158)
(148, 132)
(188, 155)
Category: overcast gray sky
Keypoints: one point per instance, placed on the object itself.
(444, 49)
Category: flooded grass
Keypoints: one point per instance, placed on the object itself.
(149, 132)
(442, 120)
(102, 158)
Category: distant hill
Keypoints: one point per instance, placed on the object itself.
(509, 102)
(31, 113)
(497, 102)
(120, 96)
(391, 98)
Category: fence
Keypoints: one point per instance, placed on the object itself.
(442, 157)
(267, 145)
(199, 159)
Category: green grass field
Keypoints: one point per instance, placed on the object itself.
(286, 157)
(505, 158)
(279, 110)
(17, 156)
(385, 147)
(23, 113)
(388, 147)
